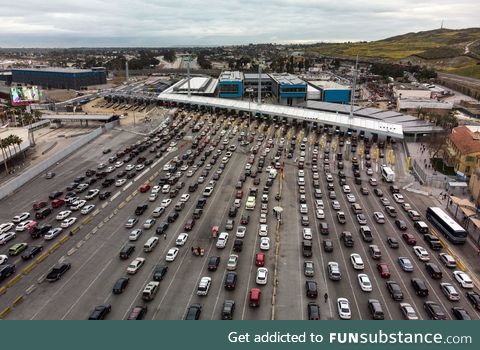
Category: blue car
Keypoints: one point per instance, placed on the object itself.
(405, 264)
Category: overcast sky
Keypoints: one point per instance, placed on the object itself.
(74, 23)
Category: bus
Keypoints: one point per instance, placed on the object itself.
(446, 225)
(388, 174)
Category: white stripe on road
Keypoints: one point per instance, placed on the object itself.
(141, 175)
(128, 185)
(115, 196)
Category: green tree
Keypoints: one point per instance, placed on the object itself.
(17, 140)
(3, 146)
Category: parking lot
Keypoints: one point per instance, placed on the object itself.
(222, 156)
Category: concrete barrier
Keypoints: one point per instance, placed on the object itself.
(17, 300)
(128, 199)
(29, 268)
(3, 290)
(5, 312)
(75, 230)
(85, 221)
(71, 251)
(13, 281)
(95, 229)
(54, 247)
(64, 239)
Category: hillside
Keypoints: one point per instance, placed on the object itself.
(452, 50)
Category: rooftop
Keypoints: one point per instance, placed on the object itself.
(286, 79)
(465, 140)
(204, 85)
(53, 69)
(327, 84)
(405, 86)
(230, 76)
(424, 103)
(254, 76)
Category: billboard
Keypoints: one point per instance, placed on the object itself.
(23, 95)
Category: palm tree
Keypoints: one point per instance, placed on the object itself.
(3, 146)
(37, 114)
(8, 143)
(17, 140)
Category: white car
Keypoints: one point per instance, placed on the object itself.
(263, 230)
(181, 239)
(351, 198)
(165, 202)
(264, 243)
(232, 262)
(463, 279)
(222, 240)
(320, 214)
(379, 217)
(357, 261)
(77, 205)
(303, 209)
(149, 223)
(408, 311)
(319, 204)
(110, 169)
(364, 282)
(63, 215)
(263, 218)
(262, 276)
(92, 193)
(237, 202)
(101, 166)
(385, 201)
(51, 234)
(135, 234)
(6, 227)
(152, 197)
(406, 207)
(184, 198)
(190, 173)
(398, 198)
(448, 260)
(241, 230)
(166, 188)
(204, 285)
(129, 167)
(120, 182)
(369, 171)
(201, 180)
(135, 265)
(336, 205)
(3, 259)
(207, 192)
(68, 222)
(7, 236)
(23, 225)
(421, 253)
(172, 254)
(346, 189)
(450, 292)
(87, 209)
(118, 164)
(158, 211)
(139, 167)
(307, 233)
(184, 167)
(343, 307)
(156, 189)
(22, 217)
(301, 173)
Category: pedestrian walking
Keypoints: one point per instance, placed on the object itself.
(326, 297)
(165, 236)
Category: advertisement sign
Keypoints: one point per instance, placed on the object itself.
(23, 95)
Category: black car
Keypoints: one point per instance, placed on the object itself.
(38, 232)
(213, 263)
(402, 225)
(100, 312)
(347, 239)
(193, 312)
(328, 245)
(460, 313)
(131, 174)
(378, 192)
(104, 195)
(120, 285)
(57, 272)
(313, 311)
(230, 280)
(141, 209)
(311, 289)
(394, 290)
(55, 194)
(72, 186)
(31, 251)
(107, 150)
(159, 272)
(121, 174)
(434, 310)
(474, 298)
(79, 179)
(228, 309)
(91, 181)
(108, 182)
(162, 228)
(232, 212)
(237, 245)
(126, 251)
(172, 217)
(148, 162)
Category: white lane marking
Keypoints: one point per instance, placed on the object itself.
(115, 196)
(128, 185)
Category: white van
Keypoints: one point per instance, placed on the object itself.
(222, 240)
(150, 244)
(150, 290)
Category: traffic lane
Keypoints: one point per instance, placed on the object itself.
(393, 256)
(447, 273)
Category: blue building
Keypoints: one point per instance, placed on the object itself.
(332, 92)
(288, 89)
(60, 78)
(230, 84)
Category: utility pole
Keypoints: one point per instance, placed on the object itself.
(126, 69)
(259, 83)
(352, 97)
(188, 75)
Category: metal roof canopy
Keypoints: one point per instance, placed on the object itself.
(79, 116)
(370, 125)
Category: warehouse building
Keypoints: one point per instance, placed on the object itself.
(230, 84)
(331, 91)
(288, 89)
(201, 85)
(60, 78)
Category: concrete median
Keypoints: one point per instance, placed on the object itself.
(41, 258)
(17, 300)
(13, 281)
(85, 221)
(5, 312)
(3, 290)
(64, 239)
(54, 247)
(29, 268)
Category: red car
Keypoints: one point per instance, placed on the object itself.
(408, 237)
(189, 225)
(245, 219)
(239, 194)
(57, 203)
(145, 188)
(39, 205)
(383, 269)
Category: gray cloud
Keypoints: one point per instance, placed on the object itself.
(68, 23)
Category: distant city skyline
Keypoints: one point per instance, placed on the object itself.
(160, 23)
